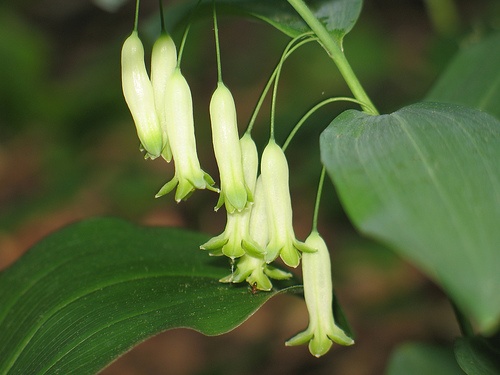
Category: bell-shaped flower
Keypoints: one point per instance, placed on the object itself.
(234, 192)
(229, 243)
(282, 241)
(236, 238)
(318, 293)
(138, 93)
(163, 63)
(252, 267)
(180, 129)
(256, 272)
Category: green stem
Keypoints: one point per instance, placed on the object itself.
(186, 32)
(311, 111)
(162, 18)
(217, 45)
(136, 18)
(334, 49)
(286, 53)
(318, 200)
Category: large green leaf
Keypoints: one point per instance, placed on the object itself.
(90, 292)
(478, 356)
(473, 78)
(426, 181)
(338, 16)
(418, 359)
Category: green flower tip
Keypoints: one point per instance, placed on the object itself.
(186, 186)
(256, 272)
(320, 341)
(318, 293)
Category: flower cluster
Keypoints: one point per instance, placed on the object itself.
(162, 109)
(258, 206)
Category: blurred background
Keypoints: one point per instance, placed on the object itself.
(69, 151)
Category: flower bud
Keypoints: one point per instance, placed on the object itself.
(227, 149)
(180, 130)
(250, 160)
(282, 241)
(138, 93)
(163, 63)
(318, 293)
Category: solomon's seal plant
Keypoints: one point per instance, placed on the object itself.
(424, 180)
(259, 226)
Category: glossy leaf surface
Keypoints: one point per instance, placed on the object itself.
(338, 16)
(425, 180)
(478, 356)
(472, 78)
(93, 290)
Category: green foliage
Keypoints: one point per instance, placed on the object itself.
(478, 356)
(473, 77)
(405, 180)
(418, 359)
(338, 16)
(90, 292)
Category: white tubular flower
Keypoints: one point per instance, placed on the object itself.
(235, 238)
(180, 129)
(256, 272)
(229, 243)
(318, 293)
(163, 63)
(138, 93)
(234, 192)
(282, 241)
(252, 267)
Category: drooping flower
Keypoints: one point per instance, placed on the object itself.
(227, 148)
(322, 330)
(180, 129)
(256, 272)
(138, 93)
(163, 63)
(236, 235)
(282, 241)
(252, 267)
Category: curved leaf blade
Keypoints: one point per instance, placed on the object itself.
(477, 355)
(426, 181)
(338, 16)
(90, 292)
(476, 69)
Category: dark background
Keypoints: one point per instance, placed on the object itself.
(68, 151)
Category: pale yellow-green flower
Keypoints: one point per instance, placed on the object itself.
(275, 179)
(139, 96)
(318, 293)
(163, 63)
(236, 234)
(180, 129)
(252, 267)
(234, 192)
